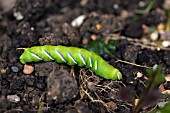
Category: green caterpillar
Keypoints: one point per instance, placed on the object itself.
(71, 56)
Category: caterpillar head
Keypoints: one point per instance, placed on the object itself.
(28, 56)
(24, 57)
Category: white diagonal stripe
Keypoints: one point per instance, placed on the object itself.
(90, 62)
(60, 56)
(96, 65)
(47, 54)
(69, 55)
(81, 57)
(36, 56)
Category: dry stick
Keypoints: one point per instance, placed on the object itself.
(132, 64)
(140, 43)
(152, 47)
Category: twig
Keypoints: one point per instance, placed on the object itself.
(140, 43)
(133, 64)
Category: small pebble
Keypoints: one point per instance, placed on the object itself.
(166, 43)
(32, 28)
(161, 27)
(93, 37)
(13, 98)
(98, 26)
(116, 6)
(28, 69)
(14, 69)
(55, 98)
(83, 2)
(18, 15)
(3, 71)
(78, 21)
(85, 41)
(154, 36)
(155, 67)
(167, 77)
(139, 75)
(142, 4)
(124, 14)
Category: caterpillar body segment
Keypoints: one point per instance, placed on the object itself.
(72, 56)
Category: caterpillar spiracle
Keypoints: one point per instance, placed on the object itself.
(72, 56)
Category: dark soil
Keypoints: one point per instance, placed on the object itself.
(54, 87)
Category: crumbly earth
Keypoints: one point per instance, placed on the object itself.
(54, 87)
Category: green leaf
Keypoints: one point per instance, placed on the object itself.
(151, 95)
(100, 47)
(147, 9)
(156, 77)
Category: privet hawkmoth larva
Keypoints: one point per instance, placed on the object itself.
(71, 56)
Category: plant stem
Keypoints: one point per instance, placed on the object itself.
(147, 9)
(167, 28)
